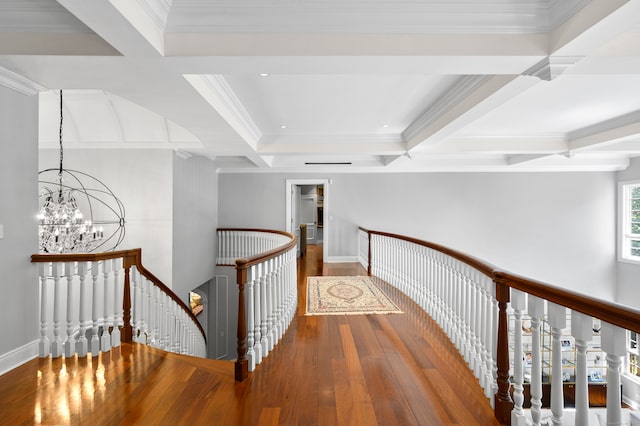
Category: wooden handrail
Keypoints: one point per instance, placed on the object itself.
(130, 257)
(613, 313)
(242, 265)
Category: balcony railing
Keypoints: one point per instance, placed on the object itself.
(497, 320)
(265, 263)
(90, 303)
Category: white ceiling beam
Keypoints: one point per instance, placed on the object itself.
(501, 145)
(472, 98)
(344, 44)
(123, 24)
(605, 133)
(597, 23)
(523, 158)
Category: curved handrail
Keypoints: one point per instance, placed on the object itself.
(614, 313)
(130, 257)
(619, 315)
(242, 266)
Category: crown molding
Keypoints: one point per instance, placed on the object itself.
(552, 66)
(406, 17)
(19, 83)
(460, 90)
(561, 11)
(158, 10)
(605, 126)
(217, 91)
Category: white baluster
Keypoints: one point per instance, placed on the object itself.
(615, 346)
(270, 287)
(117, 304)
(82, 346)
(105, 338)
(94, 343)
(69, 343)
(581, 330)
(536, 311)
(519, 304)
(44, 345)
(264, 342)
(257, 307)
(56, 344)
(492, 338)
(251, 272)
(558, 322)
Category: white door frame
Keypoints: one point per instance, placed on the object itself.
(325, 219)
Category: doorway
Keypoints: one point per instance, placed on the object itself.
(308, 202)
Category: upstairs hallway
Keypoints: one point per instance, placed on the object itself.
(328, 370)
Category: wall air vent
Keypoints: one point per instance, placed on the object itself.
(343, 163)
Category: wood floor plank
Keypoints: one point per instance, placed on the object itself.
(396, 369)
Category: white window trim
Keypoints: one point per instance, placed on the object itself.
(623, 209)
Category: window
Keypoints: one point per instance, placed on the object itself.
(630, 221)
(634, 354)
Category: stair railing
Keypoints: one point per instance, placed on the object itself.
(91, 302)
(473, 302)
(266, 273)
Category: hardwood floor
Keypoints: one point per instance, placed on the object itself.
(328, 370)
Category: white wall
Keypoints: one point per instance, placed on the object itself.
(143, 180)
(555, 227)
(629, 273)
(18, 207)
(195, 219)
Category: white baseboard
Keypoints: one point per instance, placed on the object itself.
(342, 259)
(18, 356)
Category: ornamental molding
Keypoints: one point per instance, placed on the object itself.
(19, 83)
(465, 86)
(552, 66)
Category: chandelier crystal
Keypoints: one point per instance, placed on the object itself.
(61, 224)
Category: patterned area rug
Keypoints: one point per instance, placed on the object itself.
(347, 296)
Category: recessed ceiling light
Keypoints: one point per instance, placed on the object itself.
(283, 126)
(264, 74)
(385, 125)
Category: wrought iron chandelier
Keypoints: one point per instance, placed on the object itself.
(63, 228)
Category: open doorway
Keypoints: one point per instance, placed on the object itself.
(308, 203)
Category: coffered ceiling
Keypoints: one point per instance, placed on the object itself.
(272, 85)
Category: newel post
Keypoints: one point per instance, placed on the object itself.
(503, 402)
(126, 333)
(242, 365)
(369, 253)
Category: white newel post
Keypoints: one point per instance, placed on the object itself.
(82, 346)
(94, 343)
(535, 307)
(69, 343)
(581, 330)
(558, 322)
(519, 304)
(56, 345)
(615, 346)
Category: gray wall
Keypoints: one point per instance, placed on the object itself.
(555, 227)
(629, 273)
(195, 215)
(143, 181)
(18, 207)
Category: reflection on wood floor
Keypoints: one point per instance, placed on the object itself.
(397, 369)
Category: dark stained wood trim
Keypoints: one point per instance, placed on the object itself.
(611, 312)
(242, 364)
(484, 267)
(503, 402)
